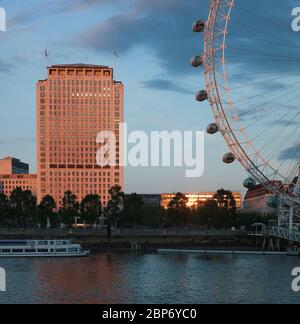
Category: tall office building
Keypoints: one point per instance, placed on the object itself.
(74, 104)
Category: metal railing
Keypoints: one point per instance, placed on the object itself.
(38, 232)
(283, 233)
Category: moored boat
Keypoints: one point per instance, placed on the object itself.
(40, 248)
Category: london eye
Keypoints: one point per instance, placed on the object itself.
(250, 58)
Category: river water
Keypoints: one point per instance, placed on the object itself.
(151, 278)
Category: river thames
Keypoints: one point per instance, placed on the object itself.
(151, 278)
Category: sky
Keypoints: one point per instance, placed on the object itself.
(154, 43)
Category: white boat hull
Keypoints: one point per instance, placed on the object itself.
(41, 249)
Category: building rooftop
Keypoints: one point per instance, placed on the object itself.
(260, 190)
(79, 65)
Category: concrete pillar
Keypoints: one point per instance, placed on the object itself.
(271, 245)
(264, 244)
(278, 245)
(291, 221)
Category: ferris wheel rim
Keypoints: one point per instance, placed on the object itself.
(212, 88)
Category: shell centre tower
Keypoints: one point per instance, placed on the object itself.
(74, 104)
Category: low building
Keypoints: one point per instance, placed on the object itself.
(152, 200)
(10, 182)
(256, 200)
(11, 165)
(194, 199)
(15, 174)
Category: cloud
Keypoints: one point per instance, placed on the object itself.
(291, 153)
(17, 140)
(163, 27)
(260, 41)
(166, 85)
(79, 5)
(9, 64)
(5, 67)
(55, 7)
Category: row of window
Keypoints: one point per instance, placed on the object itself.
(60, 250)
(86, 186)
(82, 82)
(73, 174)
(82, 180)
(14, 182)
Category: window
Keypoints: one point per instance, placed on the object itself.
(42, 250)
(73, 250)
(61, 250)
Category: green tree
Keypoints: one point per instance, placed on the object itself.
(46, 212)
(226, 201)
(69, 208)
(90, 209)
(4, 209)
(115, 206)
(177, 210)
(133, 209)
(154, 216)
(178, 202)
(208, 213)
(227, 206)
(23, 207)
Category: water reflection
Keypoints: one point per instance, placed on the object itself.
(151, 278)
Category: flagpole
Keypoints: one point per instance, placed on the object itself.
(115, 59)
(46, 59)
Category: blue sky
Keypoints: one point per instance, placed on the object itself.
(154, 43)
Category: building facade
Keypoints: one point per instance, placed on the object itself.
(194, 199)
(151, 200)
(10, 182)
(15, 174)
(74, 104)
(256, 200)
(10, 165)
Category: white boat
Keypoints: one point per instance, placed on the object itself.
(40, 248)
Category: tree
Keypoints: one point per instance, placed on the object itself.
(115, 206)
(70, 208)
(179, 202)
(133, 209)
(154, 216)
(23, 207)
(91, 209)
(177, 210)
(46, 212)
(226, 204)
(4, 209)
(208, 213)
(226, 201)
